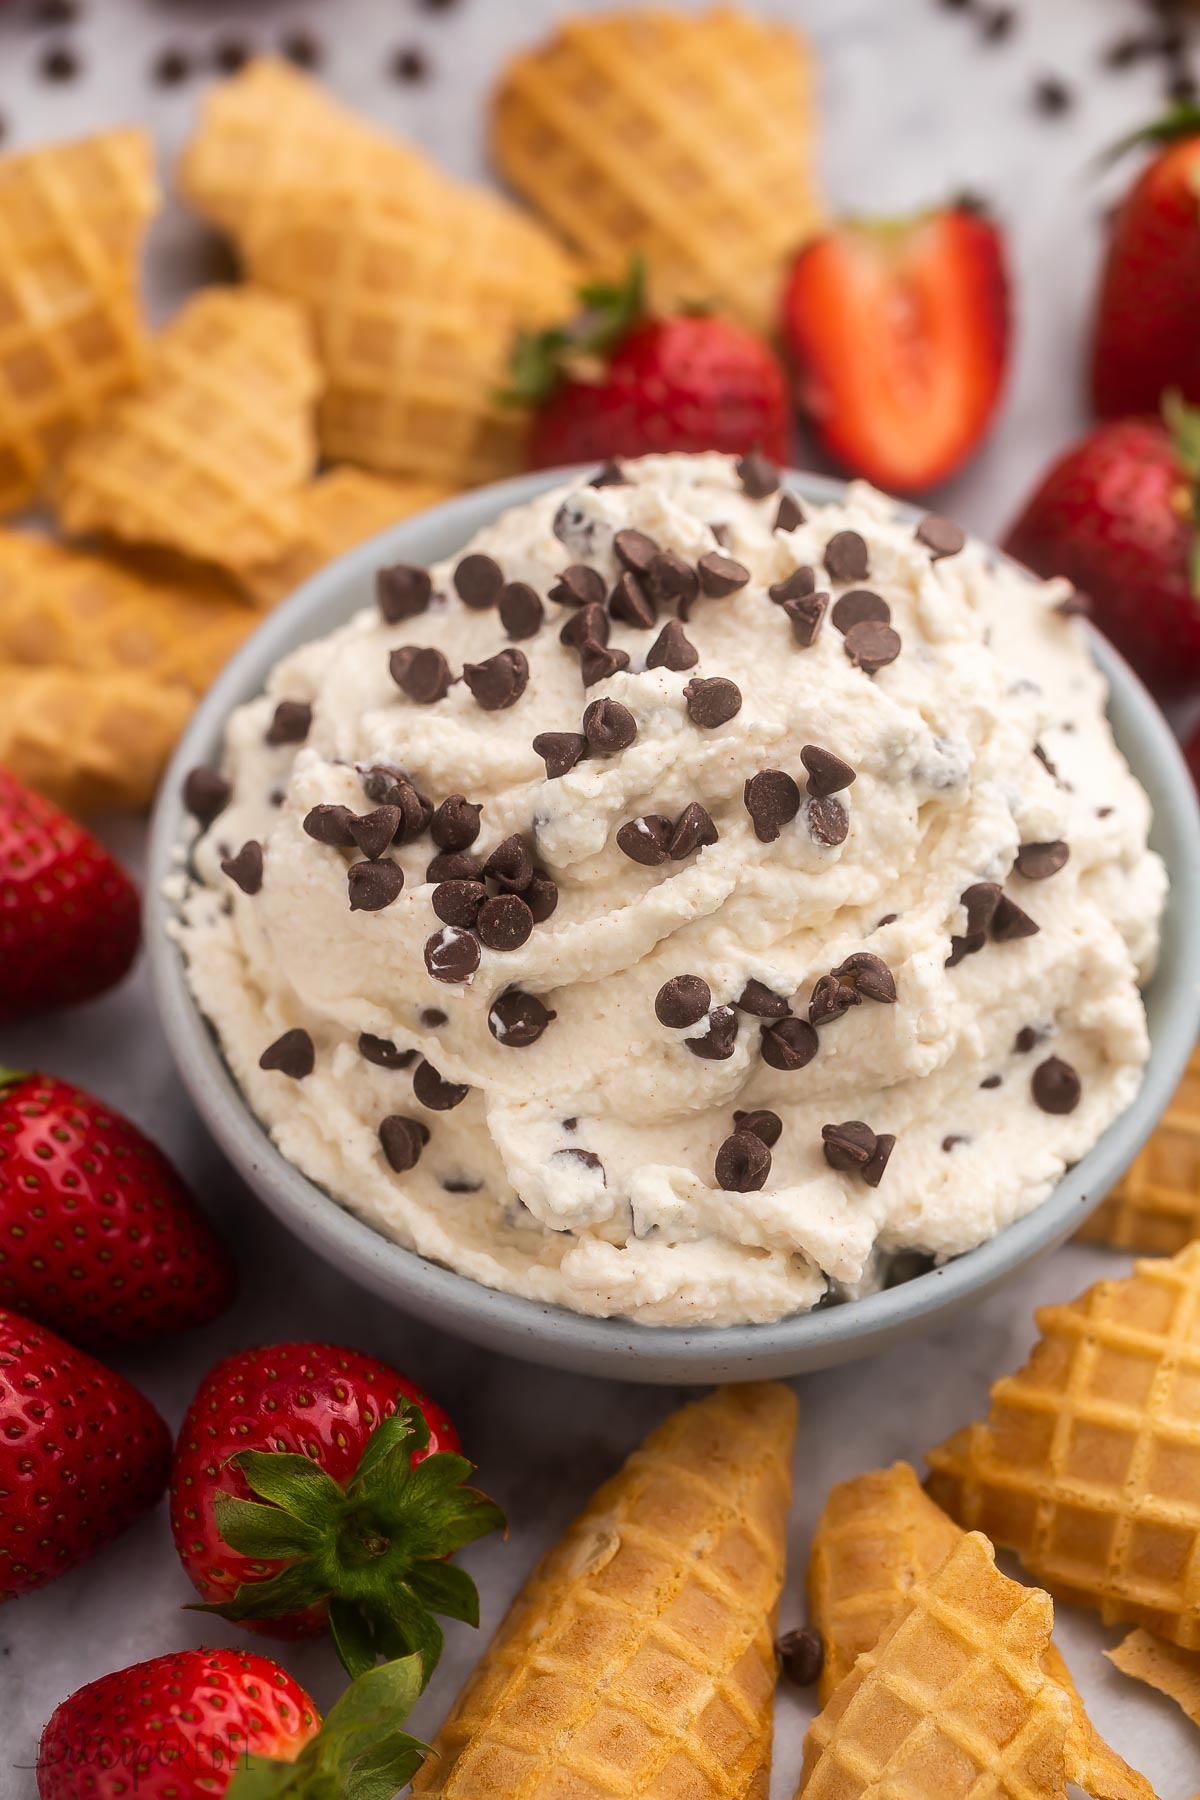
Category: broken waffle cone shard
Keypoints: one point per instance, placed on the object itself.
(687, 137)
(638, 1659)
(205, 459)
(90, 742)
(953, 1700)
(1088, 1465)
(1155, 1207)
(72, 219)
(1165, 1667)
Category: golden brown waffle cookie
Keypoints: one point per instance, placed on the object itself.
(71, 223)
(1155, 1208)
(1089, 1463)
(1174, 1672)
(207, 457)
(687, 137)
(88, 741)
(638, 1658)
(337, 511)
(952, 1702)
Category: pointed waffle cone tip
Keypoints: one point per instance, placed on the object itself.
(1155, 1207)
(1173, 1672)
(638, 1659)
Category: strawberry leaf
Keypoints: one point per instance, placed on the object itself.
(541, 361)
(296, 1483)
(263, 1532)
(1179, 121)
(360, 1752)
(447, 1589)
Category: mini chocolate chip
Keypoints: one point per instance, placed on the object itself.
(510, 864)
(389, 786)
(1037, 862)
(374, 831)
(721, 575)
(478, 581)
(458, 902)
(772, 799)
(831, 1000)
(451, 954)
(246, 868)
(859, 607)
(713, 701)
(952, 1142)
(790, 513)
(597, 662)
(761, 1001)
(758, 476)
(517, 1020)
(801, 1656)
(303, 49)
(886, 919)
(846, 557)
(672, 581)
(434, 1092)
(402, 591)
(541, 897)
(432, 1016)
(504, 922)
(871, 646)
(500, 681)
(828, 821)
(788, 1044)
(455, 824)
(941, 537)
(743, 1163)
(672, 649)
(609, 727)
(293, 1054)
(715, 1044)
(827, 773)
(578, 585)
(869, 976)
(1043, 758)
(560, 751)
(962, 947)
(453, 865)
(383, 1053)
(1027, 1039)
(806, 616)
(587, 1159)
(981, 900)
(797, 586)
(1052, 97)
(521, 612)
(682, 1001)
(230, 55)
(991, 1081)
(693, 830)
(611, 475)
(645, 840)
(1009, 922)
(1056, 1086)
(630, 604)
(848, 1147)
(290, 723)
(402, 1141)
(373, 885)
(635, 550)
(767, 1126)
(422, 673)
(590, 622)
(206, 794)
(330, 825)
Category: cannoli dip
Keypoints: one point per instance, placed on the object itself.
(684, 901)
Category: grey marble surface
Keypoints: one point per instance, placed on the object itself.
(914, 107)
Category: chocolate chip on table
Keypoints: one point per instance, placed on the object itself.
(828, 820)
(421, 672)
(402, 591)
(597, 662)
(579, 585)
(827, 773)
(801, 1656)
(858, 606)
(758, 475)
(853, 1148)
(373, 885)
(171, 66)
(59, 63)
(455, 824)
(998, 24)
(245, 869)
(790, 513)
(290, 722)
(560, 751)
(772, 799)
(1056, 1086)
(1052, 97)
(672, 649)
(609, 727)
(941, 537)
(478, 581)
(500, 681)
(590, 623)
(517, 1019)
(451, 955)
(797, 586)
(303, 49)
(402, 1141)
(230, 55)
(453, 865)
(1037, 862)
(693, 830)
(330, 825)
(645, 840)
(612, 474)
(716, 1044)
(433, 1091)
(409, 64)
(682, 1001)
(383, 1053)
(293, 1054)
(767, 1126)
(721, 575)
(635, 550)
(869, 976)
(1009, 922)
(374, 831)
(846, 557)
(743, 1163)
(761, 1001)
(504, 922)
(872, 646)
(712, 702)
(510, 864)
(806, 615)
(521, 612)
(788, 1044)
(458, 902)
(206, 794)
(831, 1000)
(630, 604)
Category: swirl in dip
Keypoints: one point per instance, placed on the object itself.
(684, 900)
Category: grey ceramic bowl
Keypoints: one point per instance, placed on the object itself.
(552, 1335)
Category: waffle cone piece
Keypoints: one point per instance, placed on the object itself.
(1155, 1207)
(91, 742)
(1088, 1465)
(1173, 1672)
(953, 1701)
(207, 457)
(686, 137)
(877, 1538)
(638, 1658)
(72, 219)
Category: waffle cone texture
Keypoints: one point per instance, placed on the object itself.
(90, 742)
(638, 1659)
(1155, 1207)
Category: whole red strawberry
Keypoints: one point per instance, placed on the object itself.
(619, 383)
(99, 1237)
(69, 916)
(899, 334)
(363, 1485)
(82, 1455)
(1116, 516)
(1146, 341)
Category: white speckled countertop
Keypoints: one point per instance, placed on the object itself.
(915, 106)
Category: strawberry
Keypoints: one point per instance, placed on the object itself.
(1117, 516)
(364, 1494)
(899, 335)
(99, 1237)
(69, 916)
(82, 1455)
(197, 1724)
(617, 382)
(1145, 339)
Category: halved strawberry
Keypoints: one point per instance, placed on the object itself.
(899, 333)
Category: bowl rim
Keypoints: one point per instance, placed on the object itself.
(549, 1333)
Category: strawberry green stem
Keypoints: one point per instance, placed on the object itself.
(360, 1752)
